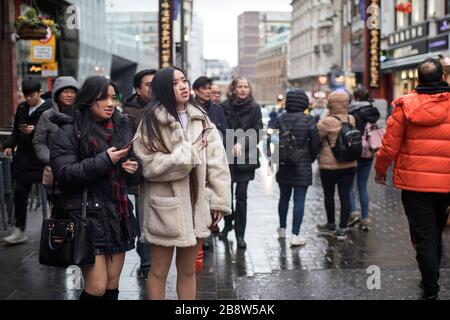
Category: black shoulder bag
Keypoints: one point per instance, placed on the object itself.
(66, 242)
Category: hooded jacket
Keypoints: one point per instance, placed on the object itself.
(329, 129)
(417, 138)
(306, 133)
(46, 130)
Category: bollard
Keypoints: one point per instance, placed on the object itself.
(199, 261)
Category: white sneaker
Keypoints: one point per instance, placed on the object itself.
(17, 236)
(281, 233)
(297, 241)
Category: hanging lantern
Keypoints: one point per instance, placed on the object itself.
(405, 7)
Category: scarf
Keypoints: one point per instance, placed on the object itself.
(116, 179)
(433, 88)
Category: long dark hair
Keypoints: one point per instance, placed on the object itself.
(163, 95)
(93, 89)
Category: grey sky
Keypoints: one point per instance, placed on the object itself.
(219, 19)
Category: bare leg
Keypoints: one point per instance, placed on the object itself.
(161, 258)
(114, 265)
(95, 277)
(186, 285)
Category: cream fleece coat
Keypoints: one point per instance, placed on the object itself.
(168, 217)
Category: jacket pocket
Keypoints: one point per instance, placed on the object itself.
(164, 216)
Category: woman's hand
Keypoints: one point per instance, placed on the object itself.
(115, 155)
(217, 216)
(237, 150)
(130, 166)
(27, 129)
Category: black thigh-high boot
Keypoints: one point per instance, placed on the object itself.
(86, 296)
(111, 294)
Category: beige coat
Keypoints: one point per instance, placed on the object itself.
(330, 127)
(168, 217)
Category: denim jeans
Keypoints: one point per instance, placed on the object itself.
(299, 206)
(362, 177)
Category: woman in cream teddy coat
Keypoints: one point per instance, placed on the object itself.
(186, 188)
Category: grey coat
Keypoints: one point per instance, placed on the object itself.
(46, 130)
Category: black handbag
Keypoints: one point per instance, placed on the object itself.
(66, 242)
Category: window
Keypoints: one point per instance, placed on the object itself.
(431, 8)
(402, 20)
(418, 11)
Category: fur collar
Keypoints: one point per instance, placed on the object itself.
(164, 117)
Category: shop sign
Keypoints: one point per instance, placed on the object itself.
(443, 25)
(374, 50)
(50, 69)
(165, 33)
(409, 34)
(438, 44)
(43, 50)
(413, 49)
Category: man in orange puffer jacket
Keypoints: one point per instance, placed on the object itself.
(417, 138)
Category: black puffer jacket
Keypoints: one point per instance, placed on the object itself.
(305, 130)
(75, 169)
(244, 115)
(26, 166)
(364, 112)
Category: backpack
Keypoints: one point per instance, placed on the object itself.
(289, 152)
(371, 140)
(348, 146)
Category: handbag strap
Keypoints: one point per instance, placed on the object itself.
(84, 209)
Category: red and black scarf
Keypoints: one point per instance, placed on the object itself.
(117, 180)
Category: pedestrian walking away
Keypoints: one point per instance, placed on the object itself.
(332, 171)
(186, 177)
(417, 140)
(296, 175)
(88, 154)
(364, 111)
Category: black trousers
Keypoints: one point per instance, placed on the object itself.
(21, 193)
(239, 211)
(344, 180)
(427, 218)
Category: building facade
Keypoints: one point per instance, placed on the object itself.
(410, 36)
(272, 68)
(254, 30)
(316, 58)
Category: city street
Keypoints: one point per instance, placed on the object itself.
(269, 268)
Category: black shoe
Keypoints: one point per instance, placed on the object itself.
(327, 227)
(224, 233)
(353, 221)
(241, 243)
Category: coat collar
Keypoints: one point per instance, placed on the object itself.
(165, 117)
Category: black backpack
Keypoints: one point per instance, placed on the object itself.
(348, 146)
(289, 152)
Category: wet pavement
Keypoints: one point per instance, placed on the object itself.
(269, 268)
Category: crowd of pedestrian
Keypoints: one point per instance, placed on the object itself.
(168, 149)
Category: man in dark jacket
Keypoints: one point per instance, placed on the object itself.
(297, 176)
(202, 88)
(27, 169)
(135, 105)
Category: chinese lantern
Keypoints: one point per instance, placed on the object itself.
(405, 7)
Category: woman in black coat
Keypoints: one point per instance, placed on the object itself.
(296, 176)
(242, 112)
(88, 153)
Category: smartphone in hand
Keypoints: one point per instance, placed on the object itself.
(203, 135)
(129, 143)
